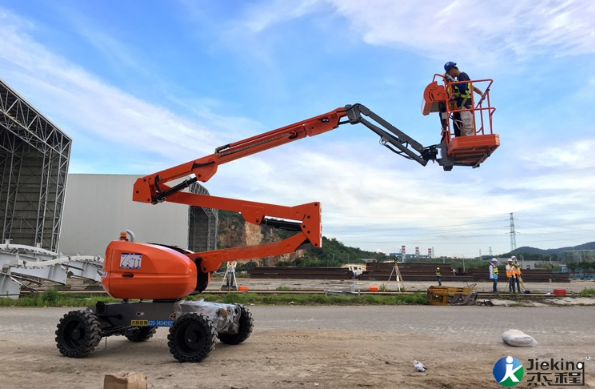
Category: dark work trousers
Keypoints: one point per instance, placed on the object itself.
(456, 123)
(511, 284)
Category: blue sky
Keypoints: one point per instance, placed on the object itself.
(144, 85)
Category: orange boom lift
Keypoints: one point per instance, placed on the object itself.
(161, 276)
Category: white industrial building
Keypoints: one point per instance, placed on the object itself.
(98, 207)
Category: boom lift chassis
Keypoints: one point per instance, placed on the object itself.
(160, 276)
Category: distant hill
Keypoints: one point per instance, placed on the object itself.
(549, 252)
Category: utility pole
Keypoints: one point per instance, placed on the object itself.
(512, 233)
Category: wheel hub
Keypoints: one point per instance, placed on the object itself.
(76, 334)
(192, 337)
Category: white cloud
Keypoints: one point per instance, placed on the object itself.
(474, 30)
(259, 18)
(88, 108)
(572, 154)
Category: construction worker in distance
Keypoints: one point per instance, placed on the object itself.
(494, 274)
(461, 99)
(439, 276)
(517, 273)
(511, 274)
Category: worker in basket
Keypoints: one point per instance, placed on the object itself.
(461, 99)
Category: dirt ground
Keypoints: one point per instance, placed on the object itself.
(268, 359)
(312, 347)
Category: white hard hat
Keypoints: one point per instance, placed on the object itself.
(513, 257)
(494, 260)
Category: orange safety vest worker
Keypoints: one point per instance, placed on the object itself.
(517, 270)
(510, 272)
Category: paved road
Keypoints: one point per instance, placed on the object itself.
(465, 324)
(551, 325)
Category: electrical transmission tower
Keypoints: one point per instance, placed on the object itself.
(512, 233)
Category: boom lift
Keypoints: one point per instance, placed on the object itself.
(161, 276)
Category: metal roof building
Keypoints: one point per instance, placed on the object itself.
(34, 156)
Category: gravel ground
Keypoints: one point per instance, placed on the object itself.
(311, 347)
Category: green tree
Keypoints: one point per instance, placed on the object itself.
(572, 266)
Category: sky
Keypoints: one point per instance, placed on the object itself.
(141, 86)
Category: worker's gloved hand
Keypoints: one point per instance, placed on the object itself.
(448, 77)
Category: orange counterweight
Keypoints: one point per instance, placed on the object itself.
(166, 273)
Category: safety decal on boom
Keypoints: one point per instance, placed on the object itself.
(130, 260)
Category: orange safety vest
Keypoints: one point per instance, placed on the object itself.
(510, 272)
(517, 270)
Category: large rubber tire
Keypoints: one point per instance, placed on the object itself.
(140, 334)
(192, 337)
(246, 325)
(78, 333)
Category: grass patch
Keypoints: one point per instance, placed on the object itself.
(282, 287)
(53, 298)
(587, 292)
(316, 299)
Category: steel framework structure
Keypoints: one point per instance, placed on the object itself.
(202, 224)
(34, 157)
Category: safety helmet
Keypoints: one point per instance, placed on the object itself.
(437, 268)
(494, 260)
(449, 65)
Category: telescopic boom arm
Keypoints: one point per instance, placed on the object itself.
(304, 220)
(154, 189)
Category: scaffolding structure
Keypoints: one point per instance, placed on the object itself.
(34, 157)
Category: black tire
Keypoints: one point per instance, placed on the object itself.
(140, 334)
(192, 337)
(78, 333)
(246, 325)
